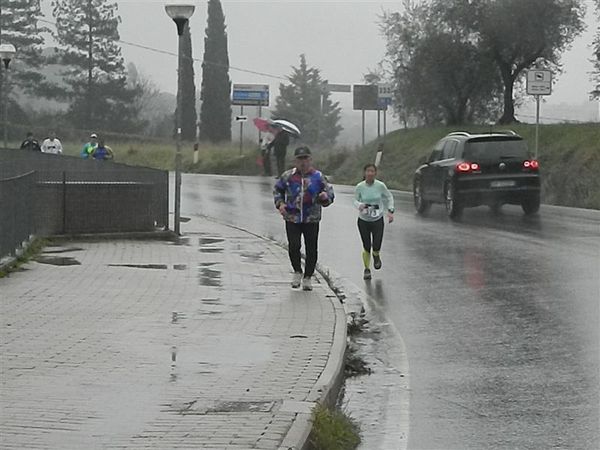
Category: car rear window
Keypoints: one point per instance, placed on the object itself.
(496, 149)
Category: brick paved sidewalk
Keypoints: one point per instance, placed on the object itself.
(154, 344)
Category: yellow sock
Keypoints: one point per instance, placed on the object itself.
(366, 257)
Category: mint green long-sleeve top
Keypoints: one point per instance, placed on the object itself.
(376, 196)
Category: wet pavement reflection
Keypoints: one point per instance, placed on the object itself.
(499, 314)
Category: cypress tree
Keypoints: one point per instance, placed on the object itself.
(215, 112)
(188, 89)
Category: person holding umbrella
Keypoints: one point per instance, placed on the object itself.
(279, 145)
(282, 130)
(299, 194)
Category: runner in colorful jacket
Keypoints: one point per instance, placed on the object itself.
(303, 190)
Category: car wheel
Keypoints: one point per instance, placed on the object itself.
(453, 205)
(420, 205)
(531, 205)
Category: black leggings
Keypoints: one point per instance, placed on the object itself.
(371, 233)
(294, 232)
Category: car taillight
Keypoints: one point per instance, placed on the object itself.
(532, 164)
(467, 167)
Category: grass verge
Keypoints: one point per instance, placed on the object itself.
(569, 156)
(333, 430)
(31, 251)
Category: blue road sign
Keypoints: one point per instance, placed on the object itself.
(250, 95)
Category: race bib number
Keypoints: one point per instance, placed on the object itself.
(372, 211)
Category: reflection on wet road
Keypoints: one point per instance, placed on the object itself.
(499, 312)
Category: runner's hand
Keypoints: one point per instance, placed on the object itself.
(323, 196)
(362, 207)
(282, 209)
(390, 217)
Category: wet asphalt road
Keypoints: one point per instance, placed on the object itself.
(499, 313)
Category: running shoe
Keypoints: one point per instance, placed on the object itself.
(296, 279)
(306, 284)
(367, 274)
(376, 262)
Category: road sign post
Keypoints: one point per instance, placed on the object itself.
(241, 130)
(539, 82)
(384, 99)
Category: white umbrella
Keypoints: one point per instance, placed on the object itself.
(287, 126)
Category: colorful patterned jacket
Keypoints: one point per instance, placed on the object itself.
(300, 193)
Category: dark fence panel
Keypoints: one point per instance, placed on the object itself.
(17, 224)
(72, 195)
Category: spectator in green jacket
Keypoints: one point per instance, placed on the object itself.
(89, 147)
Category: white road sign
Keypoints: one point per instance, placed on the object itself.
(539, 82)
(385, 91)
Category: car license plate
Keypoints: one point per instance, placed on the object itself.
(502, 183)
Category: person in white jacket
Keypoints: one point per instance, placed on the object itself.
(52, 145)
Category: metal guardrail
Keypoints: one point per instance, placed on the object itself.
(68, 195)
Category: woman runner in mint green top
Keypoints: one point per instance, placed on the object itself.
(373, 200)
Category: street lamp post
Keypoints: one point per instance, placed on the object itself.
(180, 13)
(7, 51)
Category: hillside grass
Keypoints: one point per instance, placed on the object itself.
(224, 159)
(569, 156)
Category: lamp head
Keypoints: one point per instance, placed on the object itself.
(7, 51)
(180, 13)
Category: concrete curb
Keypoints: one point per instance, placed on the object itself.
(328, 385)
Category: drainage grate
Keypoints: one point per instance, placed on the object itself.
(231, 407)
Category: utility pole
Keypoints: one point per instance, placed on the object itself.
(90, 36)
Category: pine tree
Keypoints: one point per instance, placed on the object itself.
(19, 26)
(215, 112)
(87, 31)
(188, 89)
(305, 103)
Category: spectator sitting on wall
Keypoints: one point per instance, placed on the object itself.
(88, 148)
(52, 145)
(102, 151)
(30, 143)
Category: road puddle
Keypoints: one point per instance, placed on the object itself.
(142, 266)
(212, 250)
(55, 250)
(377, 400)
(251, 257)
(202, 242)
(209, 277)
(57, 260)
(180, 241)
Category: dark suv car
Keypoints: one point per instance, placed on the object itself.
(467, 170)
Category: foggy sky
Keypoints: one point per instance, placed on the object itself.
(339, 37)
